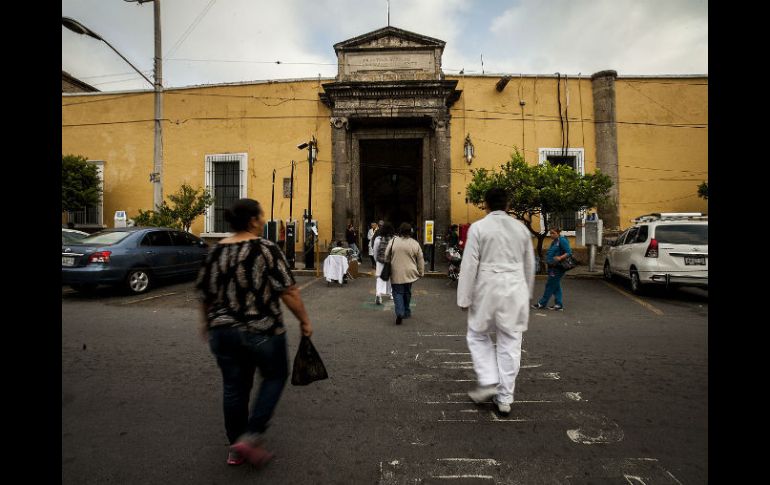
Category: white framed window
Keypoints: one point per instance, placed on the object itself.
(574, 158)
(226, 178)
(92, 215)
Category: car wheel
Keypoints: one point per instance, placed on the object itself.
(84, 288)
(607, 271)
(636, 285)
(138, 280)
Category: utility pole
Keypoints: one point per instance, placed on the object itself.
(157, 166)
(157, 195)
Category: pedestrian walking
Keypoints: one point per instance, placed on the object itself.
(407, 266)
(558, 250)
(496, 283)
(370, 241)
(239, 284)
(381, 241)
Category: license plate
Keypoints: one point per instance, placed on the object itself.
(67, 261)
(695, 260)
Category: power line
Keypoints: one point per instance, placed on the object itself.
(189, 30)
(121, 96)
(116, 74)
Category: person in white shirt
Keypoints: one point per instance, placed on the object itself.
(496, 283)
(370, 240)
(381, 241)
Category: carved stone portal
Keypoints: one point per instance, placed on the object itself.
(390, 86)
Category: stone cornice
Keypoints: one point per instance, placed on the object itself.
(395, 89)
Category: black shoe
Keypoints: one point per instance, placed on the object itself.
(399, 320)
(558, 308)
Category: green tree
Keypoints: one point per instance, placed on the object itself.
(540, 190)
(703, 190)
(187, 204)
(80, 184)
(190, 203)
(163, 217)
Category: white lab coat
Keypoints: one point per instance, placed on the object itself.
(497, 274)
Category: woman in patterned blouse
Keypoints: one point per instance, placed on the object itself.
(240, 284)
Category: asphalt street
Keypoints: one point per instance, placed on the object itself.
(612, 390)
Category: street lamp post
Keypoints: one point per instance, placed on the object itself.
(155, 176)
(312, 153)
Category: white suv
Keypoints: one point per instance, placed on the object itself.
(662, 248)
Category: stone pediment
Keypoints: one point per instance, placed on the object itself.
(389, 54)
(389, 38)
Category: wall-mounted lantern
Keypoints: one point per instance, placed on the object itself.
(469, 150)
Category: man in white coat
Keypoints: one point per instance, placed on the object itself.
(497, 280)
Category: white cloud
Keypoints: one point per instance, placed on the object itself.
(525, 36)
(632, 37)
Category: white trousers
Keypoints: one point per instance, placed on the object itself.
(382, 288)
(499, 366)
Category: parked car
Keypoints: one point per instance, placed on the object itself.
(669, 249)
(71, 236)
(134, 257)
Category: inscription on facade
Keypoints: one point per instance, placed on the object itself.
(372, 66)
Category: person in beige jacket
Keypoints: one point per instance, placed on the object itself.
(406, 267)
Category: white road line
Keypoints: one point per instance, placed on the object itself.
(446, 477)
(305, 285)
(506, 420)
(634, 480)
(646, 305)
(149, 298)
(488, 461)
(673, 477)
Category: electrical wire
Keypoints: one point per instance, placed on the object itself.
(189, 30)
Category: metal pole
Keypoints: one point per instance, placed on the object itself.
(272, 198)
(591, 256)
(291, 189)
(158, 155)
(309, 243)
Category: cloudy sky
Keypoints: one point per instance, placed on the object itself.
(216, 41)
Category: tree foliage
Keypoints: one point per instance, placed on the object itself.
(540, 190)
(187, 204)
(80, 184)
(703, 190)
(190, 203)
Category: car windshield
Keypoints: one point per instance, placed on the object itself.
(104, 238)
(683, 234)
(72, 237)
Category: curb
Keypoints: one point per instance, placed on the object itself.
(437, 274)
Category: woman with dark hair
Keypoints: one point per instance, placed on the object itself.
(558, 250)
(407, 266)
(381, 241)
(239, 284)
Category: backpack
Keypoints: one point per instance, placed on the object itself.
(384, 241)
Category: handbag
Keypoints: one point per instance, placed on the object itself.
(568, 263)
(308, 366)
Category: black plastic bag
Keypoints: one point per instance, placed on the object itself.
(308, 366)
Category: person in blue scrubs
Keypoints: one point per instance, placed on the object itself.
(558, 250)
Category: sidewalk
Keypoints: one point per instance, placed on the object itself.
(365, 270)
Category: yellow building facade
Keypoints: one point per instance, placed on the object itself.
(232, 137)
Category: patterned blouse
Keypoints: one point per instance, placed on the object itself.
(241, 283)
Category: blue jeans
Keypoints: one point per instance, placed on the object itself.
(239, 353)
(402, 295)
(552, 287)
